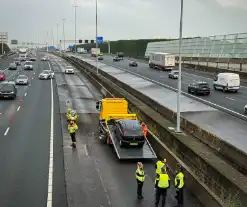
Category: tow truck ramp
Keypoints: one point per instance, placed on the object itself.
(146, 152)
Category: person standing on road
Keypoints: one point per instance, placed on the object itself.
(144, 129)
(160, 164)
(179, 184)
(72, 127)
(69, 114)
(162, 184)
(140, 177)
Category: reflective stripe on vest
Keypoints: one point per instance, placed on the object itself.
(72, 128)
(180, 177)
(163, 181)
(142, 177)
(159, 166)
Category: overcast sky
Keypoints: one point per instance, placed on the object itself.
(26, 20)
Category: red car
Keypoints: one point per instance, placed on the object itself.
(2, 75)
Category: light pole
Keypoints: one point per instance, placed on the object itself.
(47, 42)
(96, 21)
(179, 67)
(52, 36)
(63, 35)
(57, 35)
(75, 27)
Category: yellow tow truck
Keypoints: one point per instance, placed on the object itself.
(122, 130)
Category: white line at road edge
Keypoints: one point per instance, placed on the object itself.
(18, 108)
(50, 174)
(25, 94)
(6, 132)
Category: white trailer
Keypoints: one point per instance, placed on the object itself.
(95, 52)
(162, 61)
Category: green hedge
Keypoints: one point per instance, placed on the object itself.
(5, 48)
(133, 48)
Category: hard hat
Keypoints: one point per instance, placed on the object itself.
(139, 164)
(164, 160)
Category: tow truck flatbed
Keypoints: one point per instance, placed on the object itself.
(145, 152)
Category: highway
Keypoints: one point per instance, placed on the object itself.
(25, 126)
(207, 117)
(94, 175)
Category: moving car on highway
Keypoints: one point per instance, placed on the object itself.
(21, 80)
(17, 61)
(46, 74)
(116, 58)
(32, 58)
(28, 65)
(12, 66)
(227, 82)
(173, 74)
(44, 58)
(69, 71)
(199, 87)
(133, 63)
(8, 90)
(129, 133)
(2, 75)
(245, 109)
(100, 58)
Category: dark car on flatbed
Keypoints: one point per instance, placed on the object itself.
(129, 133)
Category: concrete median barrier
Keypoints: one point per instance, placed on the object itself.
(225, 183)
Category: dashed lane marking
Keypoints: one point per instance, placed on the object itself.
(18, 108)
(6, 132)
(230, 98)
(25, 94)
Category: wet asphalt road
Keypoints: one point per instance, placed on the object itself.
(24, 149)
(94, 175)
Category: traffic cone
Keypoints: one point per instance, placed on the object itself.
(11, 120)
(20, 99)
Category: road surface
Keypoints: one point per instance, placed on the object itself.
(94, 175)
(25, 127)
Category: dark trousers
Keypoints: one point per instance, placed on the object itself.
(160, 192)
(180, 196)
(139, 188)
(72, 135)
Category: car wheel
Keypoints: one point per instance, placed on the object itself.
(189, 90)
(141, 145)
(108, 140)
(208, 93)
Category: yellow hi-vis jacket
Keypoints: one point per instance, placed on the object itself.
(179, 180)
(163, 181)
(72, 128)
(159, 165)
(140, 175)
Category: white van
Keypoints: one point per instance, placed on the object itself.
(227, 82)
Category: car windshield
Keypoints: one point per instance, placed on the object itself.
(22, 77)
(133, 128)
(45, 72)
(203, 85)
(29, 63)
(7, 87)
(175, 73)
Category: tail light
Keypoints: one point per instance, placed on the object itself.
(124, 132)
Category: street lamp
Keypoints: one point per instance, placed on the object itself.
(96, 19)
(179, 67)
(63, 34)
(57, 35)
(75, 27)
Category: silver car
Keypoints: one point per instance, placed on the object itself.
(28, 65)
(21, 80)
(46, 74)
(12, 66)
(173, 74)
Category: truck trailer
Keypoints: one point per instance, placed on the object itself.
(122, 130)
(95, 52)
(162, 61)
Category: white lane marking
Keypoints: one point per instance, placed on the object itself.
(18, 108)
(50, 175)
(32, 77)
(25, 94)
(5, 69)
(13, 78)
(230, 98)
(34, 73)
(85, 148)
(184, 93)
(0, 113)
(29, 85)
(6, 132)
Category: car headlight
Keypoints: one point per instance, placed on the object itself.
(11, 92)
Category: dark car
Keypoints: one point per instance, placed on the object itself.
(17, 61)
(120, 55)
(32, 58)
(2, 75)
(116, 58)
(129, 133)
(133, 64)
(100, 58)
(8, 90)
(199, 87)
